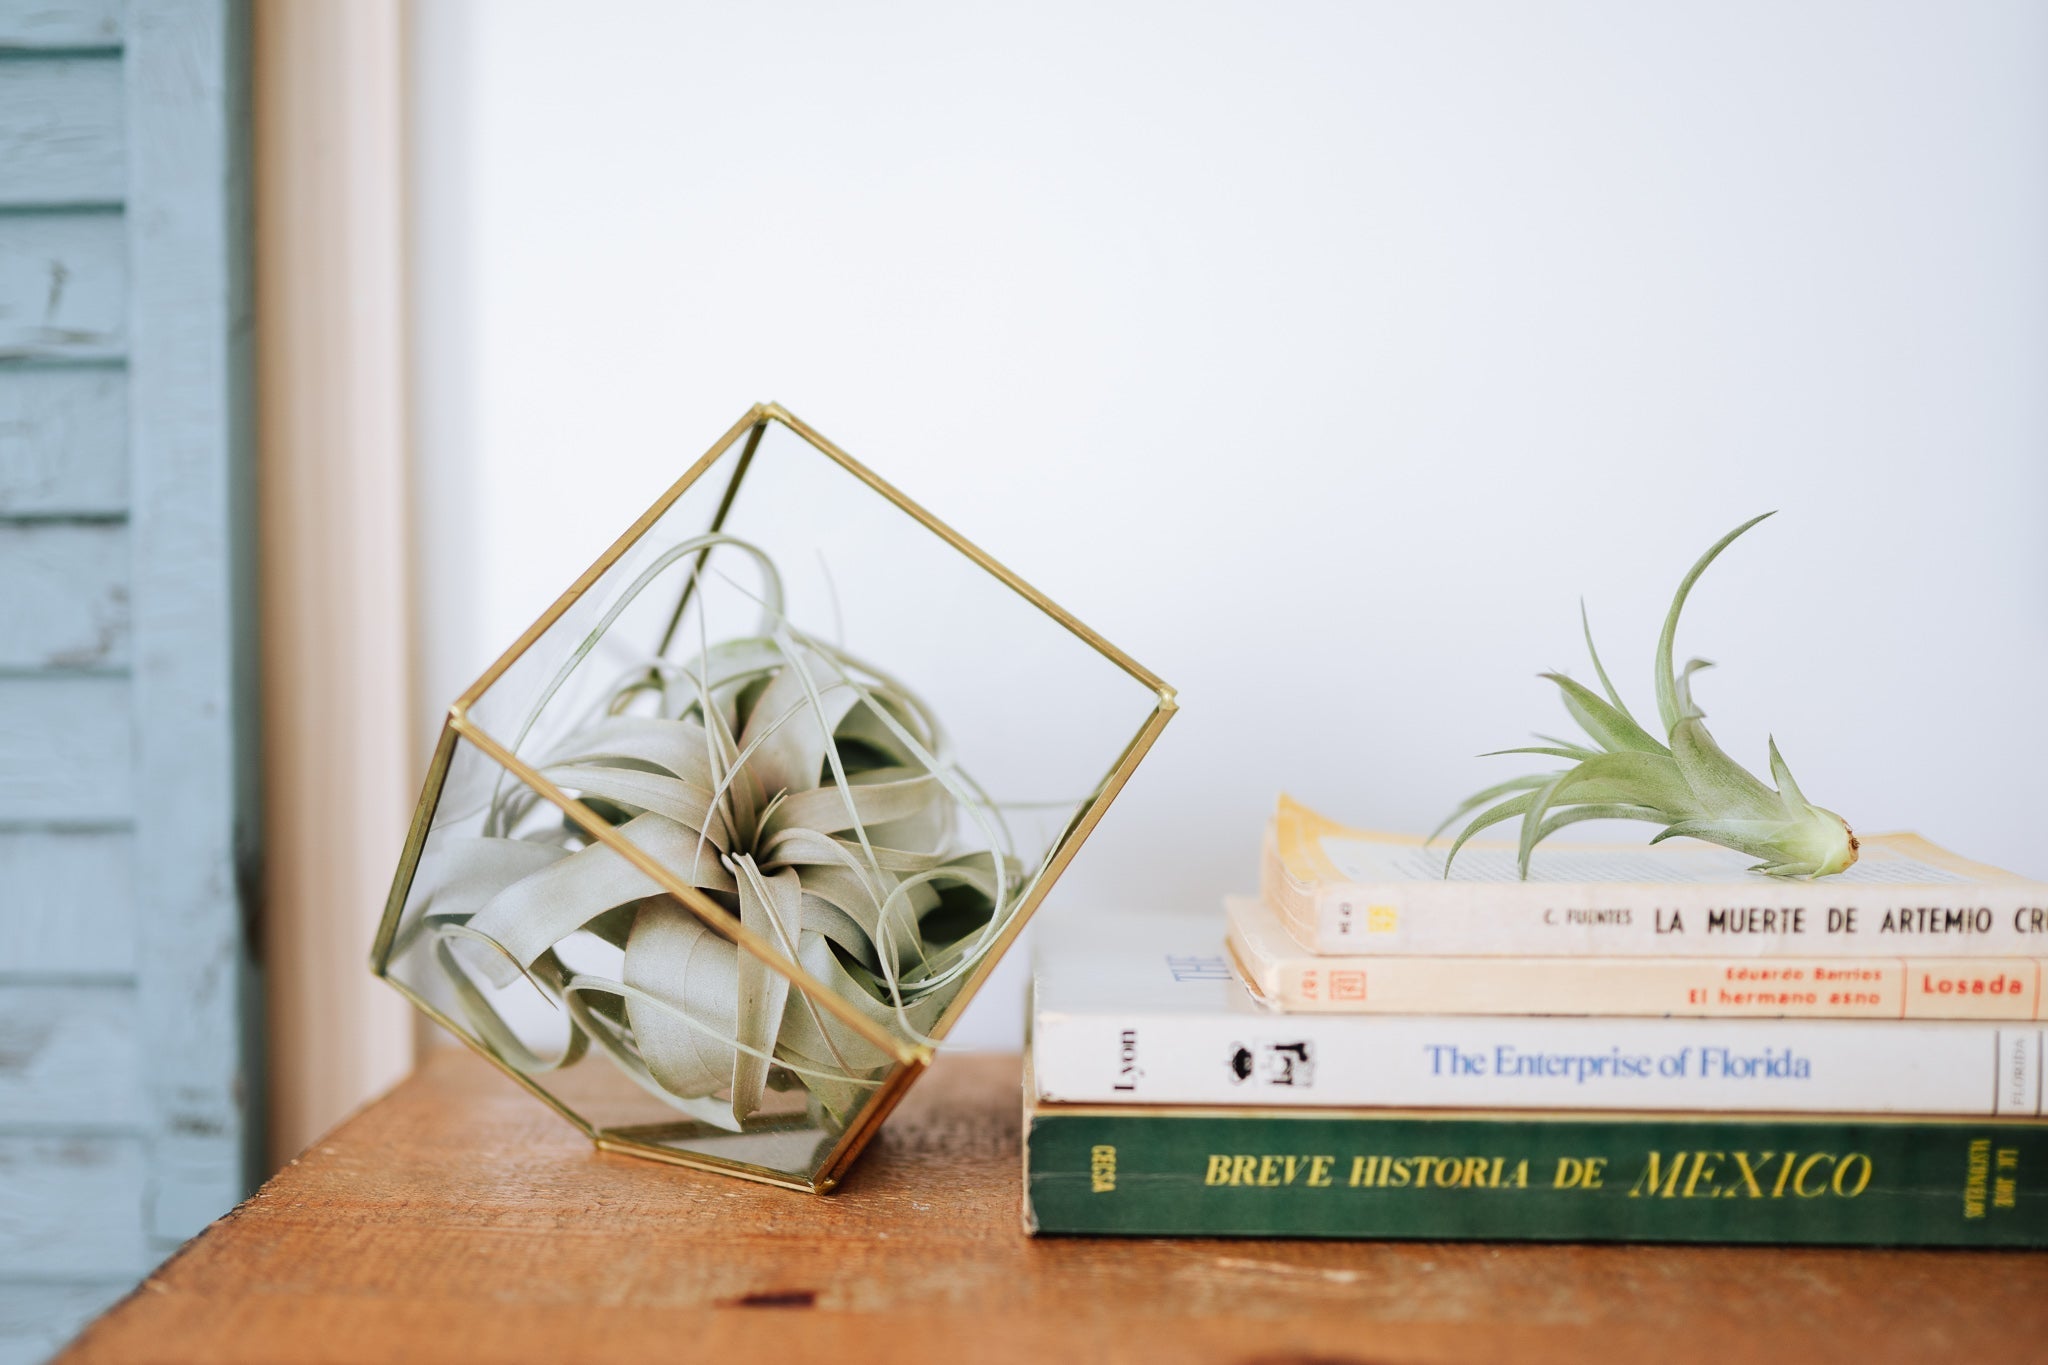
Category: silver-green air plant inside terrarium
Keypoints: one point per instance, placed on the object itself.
(714, 882)
(806, 793)
(1684, 782)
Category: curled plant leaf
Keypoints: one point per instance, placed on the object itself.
(1684, 782)
(807, 793)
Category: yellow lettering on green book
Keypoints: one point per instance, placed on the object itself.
(1706, 1175)
(1101, 1169)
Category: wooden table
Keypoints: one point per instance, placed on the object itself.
(457, 1219)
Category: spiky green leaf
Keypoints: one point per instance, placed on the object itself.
(1687, 707)
(1721, 785)
(1532, 821)
(1651, 780)
(1609, 728)
(1480, 798)
(1583, 751)
(1758, 838)
(1606, 683)
(1667, 688)
(1506, 810)
(1788, 790)
(1574, 814)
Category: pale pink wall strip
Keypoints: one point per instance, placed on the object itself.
(341, 770)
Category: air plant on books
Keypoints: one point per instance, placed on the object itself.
(1684, 782)
(807, 793)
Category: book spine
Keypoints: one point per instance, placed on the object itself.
(1784, 1181)
(1706, 988)
(1567, 919)
(1454, 1062)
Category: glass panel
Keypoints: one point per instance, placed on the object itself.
(443, 952)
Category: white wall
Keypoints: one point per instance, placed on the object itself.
(1320, 355)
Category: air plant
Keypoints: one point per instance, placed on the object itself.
(1685, 783)
(806, 792)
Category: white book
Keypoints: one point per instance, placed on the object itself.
(1144, 1009)
(1342, 890)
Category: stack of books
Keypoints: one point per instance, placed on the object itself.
(1635, 1044)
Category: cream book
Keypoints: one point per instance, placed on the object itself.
(1353, 891)
(1281, 974)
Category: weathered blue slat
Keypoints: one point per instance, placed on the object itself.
(68, 908)
(75, 1207)
(63, 285)
(63, 441)
(66, 750)
(36, 25)
(66, 601)
(62, 139)
(69, 1058)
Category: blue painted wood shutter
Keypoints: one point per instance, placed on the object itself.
(127, 699)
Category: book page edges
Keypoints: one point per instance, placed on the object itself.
(1029, 1095)
(1927, 851)
(1257, 941)
(1290, 899)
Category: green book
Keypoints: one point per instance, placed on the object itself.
(1157, 1171)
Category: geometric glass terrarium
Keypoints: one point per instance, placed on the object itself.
(716, 854)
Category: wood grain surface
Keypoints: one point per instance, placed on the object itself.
(459, 1220)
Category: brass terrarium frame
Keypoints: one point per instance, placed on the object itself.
(910, 1057)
